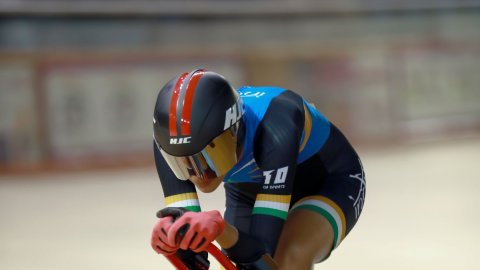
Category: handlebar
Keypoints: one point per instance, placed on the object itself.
(228, 240)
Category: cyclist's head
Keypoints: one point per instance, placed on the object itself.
(197, 124)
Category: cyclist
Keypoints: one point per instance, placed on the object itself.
(294, 185)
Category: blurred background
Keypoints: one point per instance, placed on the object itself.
(78, 82)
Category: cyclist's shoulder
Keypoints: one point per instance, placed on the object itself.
(250, 94)
(258, 99)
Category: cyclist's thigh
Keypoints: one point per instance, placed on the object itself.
(337, 196)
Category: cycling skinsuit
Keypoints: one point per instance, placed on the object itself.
(293, 158)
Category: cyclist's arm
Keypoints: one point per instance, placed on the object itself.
(276, 147)
(177, 193)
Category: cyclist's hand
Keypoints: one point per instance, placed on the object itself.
(200, 230)
(159, 240)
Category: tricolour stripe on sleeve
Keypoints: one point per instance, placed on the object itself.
(330, 210)
(273, 205)
(186, 200)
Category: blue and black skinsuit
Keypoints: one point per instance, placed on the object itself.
(292, 158)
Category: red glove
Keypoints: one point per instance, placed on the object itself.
(200, 230)
(159, 240)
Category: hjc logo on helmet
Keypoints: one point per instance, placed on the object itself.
(183, 140)
(233, 114)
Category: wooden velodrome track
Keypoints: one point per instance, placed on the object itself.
(421, 212)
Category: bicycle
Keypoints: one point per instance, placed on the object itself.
(202, 264)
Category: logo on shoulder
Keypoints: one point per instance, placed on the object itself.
(247, 94)
(183, 140)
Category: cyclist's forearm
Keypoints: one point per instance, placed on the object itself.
(229, 237)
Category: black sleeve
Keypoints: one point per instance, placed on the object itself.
(176, 192)
(276, 147)
(278, 137)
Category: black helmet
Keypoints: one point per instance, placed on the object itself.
(196, 122)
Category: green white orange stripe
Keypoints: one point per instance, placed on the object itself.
(186, 200)
(273, 205)
(329, 210)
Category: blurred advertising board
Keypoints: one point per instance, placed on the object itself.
(18, 113)
(101, 108)
(435, 88)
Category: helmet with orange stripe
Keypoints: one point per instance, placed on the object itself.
(197, 124)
